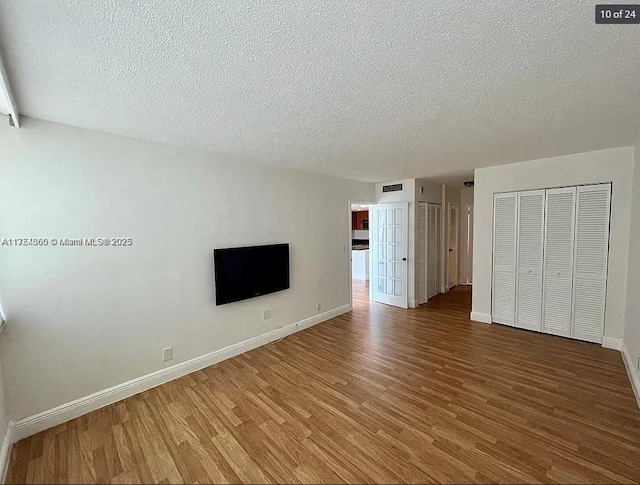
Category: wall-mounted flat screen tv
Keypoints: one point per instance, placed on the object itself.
(247, 272)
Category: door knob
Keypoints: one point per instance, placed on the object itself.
(404, 259)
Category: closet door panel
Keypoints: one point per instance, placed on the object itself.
(590, 261)
(504, 258)
(433, 254)
(558, 261)
(438, 246)
(423, 268)
(529, 261)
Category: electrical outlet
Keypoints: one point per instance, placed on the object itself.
(266, 314)
(167, 354)
(318, 306)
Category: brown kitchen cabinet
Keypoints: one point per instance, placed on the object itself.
(360, 220)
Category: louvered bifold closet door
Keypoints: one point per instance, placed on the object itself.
(530, 246)
(421, 274)
(590, 261)
(504, 258)
(557, 288)
(433, 235)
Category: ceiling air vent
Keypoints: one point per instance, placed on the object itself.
(392, 188)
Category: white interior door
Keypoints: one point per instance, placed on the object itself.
(434, 252)
(453, 228)
(389, 236)
(558, 261)
(590, 261)
(421, 256)
(505, 218)
(529, 261)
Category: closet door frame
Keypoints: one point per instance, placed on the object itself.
(578, 187)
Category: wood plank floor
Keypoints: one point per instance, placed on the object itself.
(380, 394)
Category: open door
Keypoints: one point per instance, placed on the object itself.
(389, 237)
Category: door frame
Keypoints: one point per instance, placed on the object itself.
(348, 247)
(456, 206)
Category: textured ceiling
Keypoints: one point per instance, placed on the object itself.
(367, 90)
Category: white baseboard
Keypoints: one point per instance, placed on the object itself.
(71, 410)
(480, 317)
(413, 304)
(632, 371)
(5, 452)
(612, 343)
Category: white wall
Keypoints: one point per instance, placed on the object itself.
(632, 312)
(82, 319)
(466, 253)
(427, 191)
(613, 165)
(407, 194)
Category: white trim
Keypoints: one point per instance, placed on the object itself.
(632, 372)
(5, 452)
(5, 91)
(480, 317)
(65, 412)
(612, 343)
(413, 304)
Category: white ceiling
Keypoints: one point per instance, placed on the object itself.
(367, 90)
(359, 207)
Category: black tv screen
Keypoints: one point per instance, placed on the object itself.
(242, 273)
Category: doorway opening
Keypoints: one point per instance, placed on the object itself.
(380, 253)
(360, 256)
